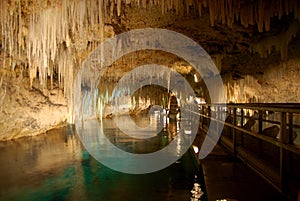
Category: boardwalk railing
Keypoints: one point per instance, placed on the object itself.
(265, 136)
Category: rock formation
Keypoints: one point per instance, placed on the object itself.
(255, 45)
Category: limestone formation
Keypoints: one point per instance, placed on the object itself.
(255, 45)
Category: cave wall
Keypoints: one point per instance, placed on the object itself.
(254, 44)
(28, 112)
(277, 85)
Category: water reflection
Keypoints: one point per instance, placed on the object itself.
(55, 166)
(138, 145)
(122, 152)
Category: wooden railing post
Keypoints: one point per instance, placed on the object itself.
(282, 168)
(242, 124)
(242, 117)
(209, 115)
(201, 117)
(290, 141)
(217, 117)
(260, 129)
(260, 118)
(234, 132)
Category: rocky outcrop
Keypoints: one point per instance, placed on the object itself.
(27, 112)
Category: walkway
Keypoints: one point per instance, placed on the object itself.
(230, 179)
(266, 137)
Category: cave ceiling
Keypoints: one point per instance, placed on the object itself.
(242, 37)
(232, 48)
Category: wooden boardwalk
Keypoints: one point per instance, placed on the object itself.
(263, 136)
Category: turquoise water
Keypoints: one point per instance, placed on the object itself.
(56, 166)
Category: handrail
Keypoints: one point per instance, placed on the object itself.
(270, 140)
(275, 107)
(285, 124)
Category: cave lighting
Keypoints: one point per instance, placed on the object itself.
(196, 149)
(196, 78)
(200, 100)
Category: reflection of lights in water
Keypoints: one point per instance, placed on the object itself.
(178, 101)
(154, 118)
(172, 130)
(178, 126)
(196, 149)
(197, 192)
(190, 99)
(188, 127)
(195, 78)
(164, 118)
(165, 121)
(178, 147)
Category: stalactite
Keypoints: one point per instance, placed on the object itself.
(163, 6)
(101, 20)
(199, 7)
(118, 7)
(268, 10)
(223, 12)
(249, 12)
(260, 16)
(211, 5)
(251, 15)
(280, 42)
(144, 3)
(187, 6)
(177, 7)
(297, 10)
(230, 14)
(49, 34)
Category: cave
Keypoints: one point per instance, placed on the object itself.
(204, 89)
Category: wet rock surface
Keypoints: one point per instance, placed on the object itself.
(27, 112)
